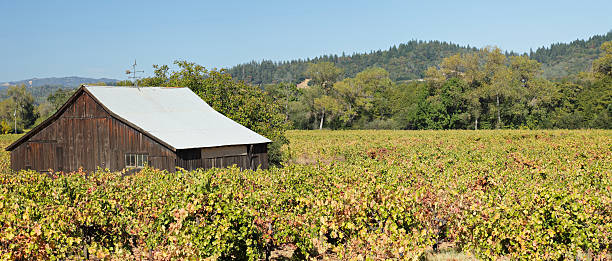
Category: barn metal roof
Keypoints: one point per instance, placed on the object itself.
(176, 116)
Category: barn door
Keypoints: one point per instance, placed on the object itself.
(255, 161)
(41, 156)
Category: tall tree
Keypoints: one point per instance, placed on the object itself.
(602, 66)
(324, 74)
(24, 105)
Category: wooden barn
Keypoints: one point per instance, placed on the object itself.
(119, 128)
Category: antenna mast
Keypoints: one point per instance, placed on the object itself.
(133, 73)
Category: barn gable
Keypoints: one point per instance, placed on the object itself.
(83, 134)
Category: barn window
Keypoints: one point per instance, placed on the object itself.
(133, 160)
(189, 154)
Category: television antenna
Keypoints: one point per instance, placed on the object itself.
(133, 72)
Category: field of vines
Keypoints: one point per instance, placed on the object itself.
(341, 195)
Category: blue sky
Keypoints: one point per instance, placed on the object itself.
(102, 38)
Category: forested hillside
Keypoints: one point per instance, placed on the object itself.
(564, 59)
(408, 61)
(403, 62)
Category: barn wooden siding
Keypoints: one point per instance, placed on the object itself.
(87, 136)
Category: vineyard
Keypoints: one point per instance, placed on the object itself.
(361, 195)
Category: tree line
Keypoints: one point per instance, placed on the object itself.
(486, 89)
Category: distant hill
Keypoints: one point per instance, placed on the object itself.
(408, 61)
(42, 87)
(68, 82)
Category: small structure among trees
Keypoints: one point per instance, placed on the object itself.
(125, 127)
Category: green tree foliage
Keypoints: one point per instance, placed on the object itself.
(596, 100)
(364, 99)
(245, 104)
(129, 83)
(602, 66)
(52, 103)
(59, 97)
(303, 113)
(409, 102)
(585, 102)
(44, 110)
(6, 127)
(359, 102)
(499, 91)
(324, 75)
(19, 100)
(283, 94)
